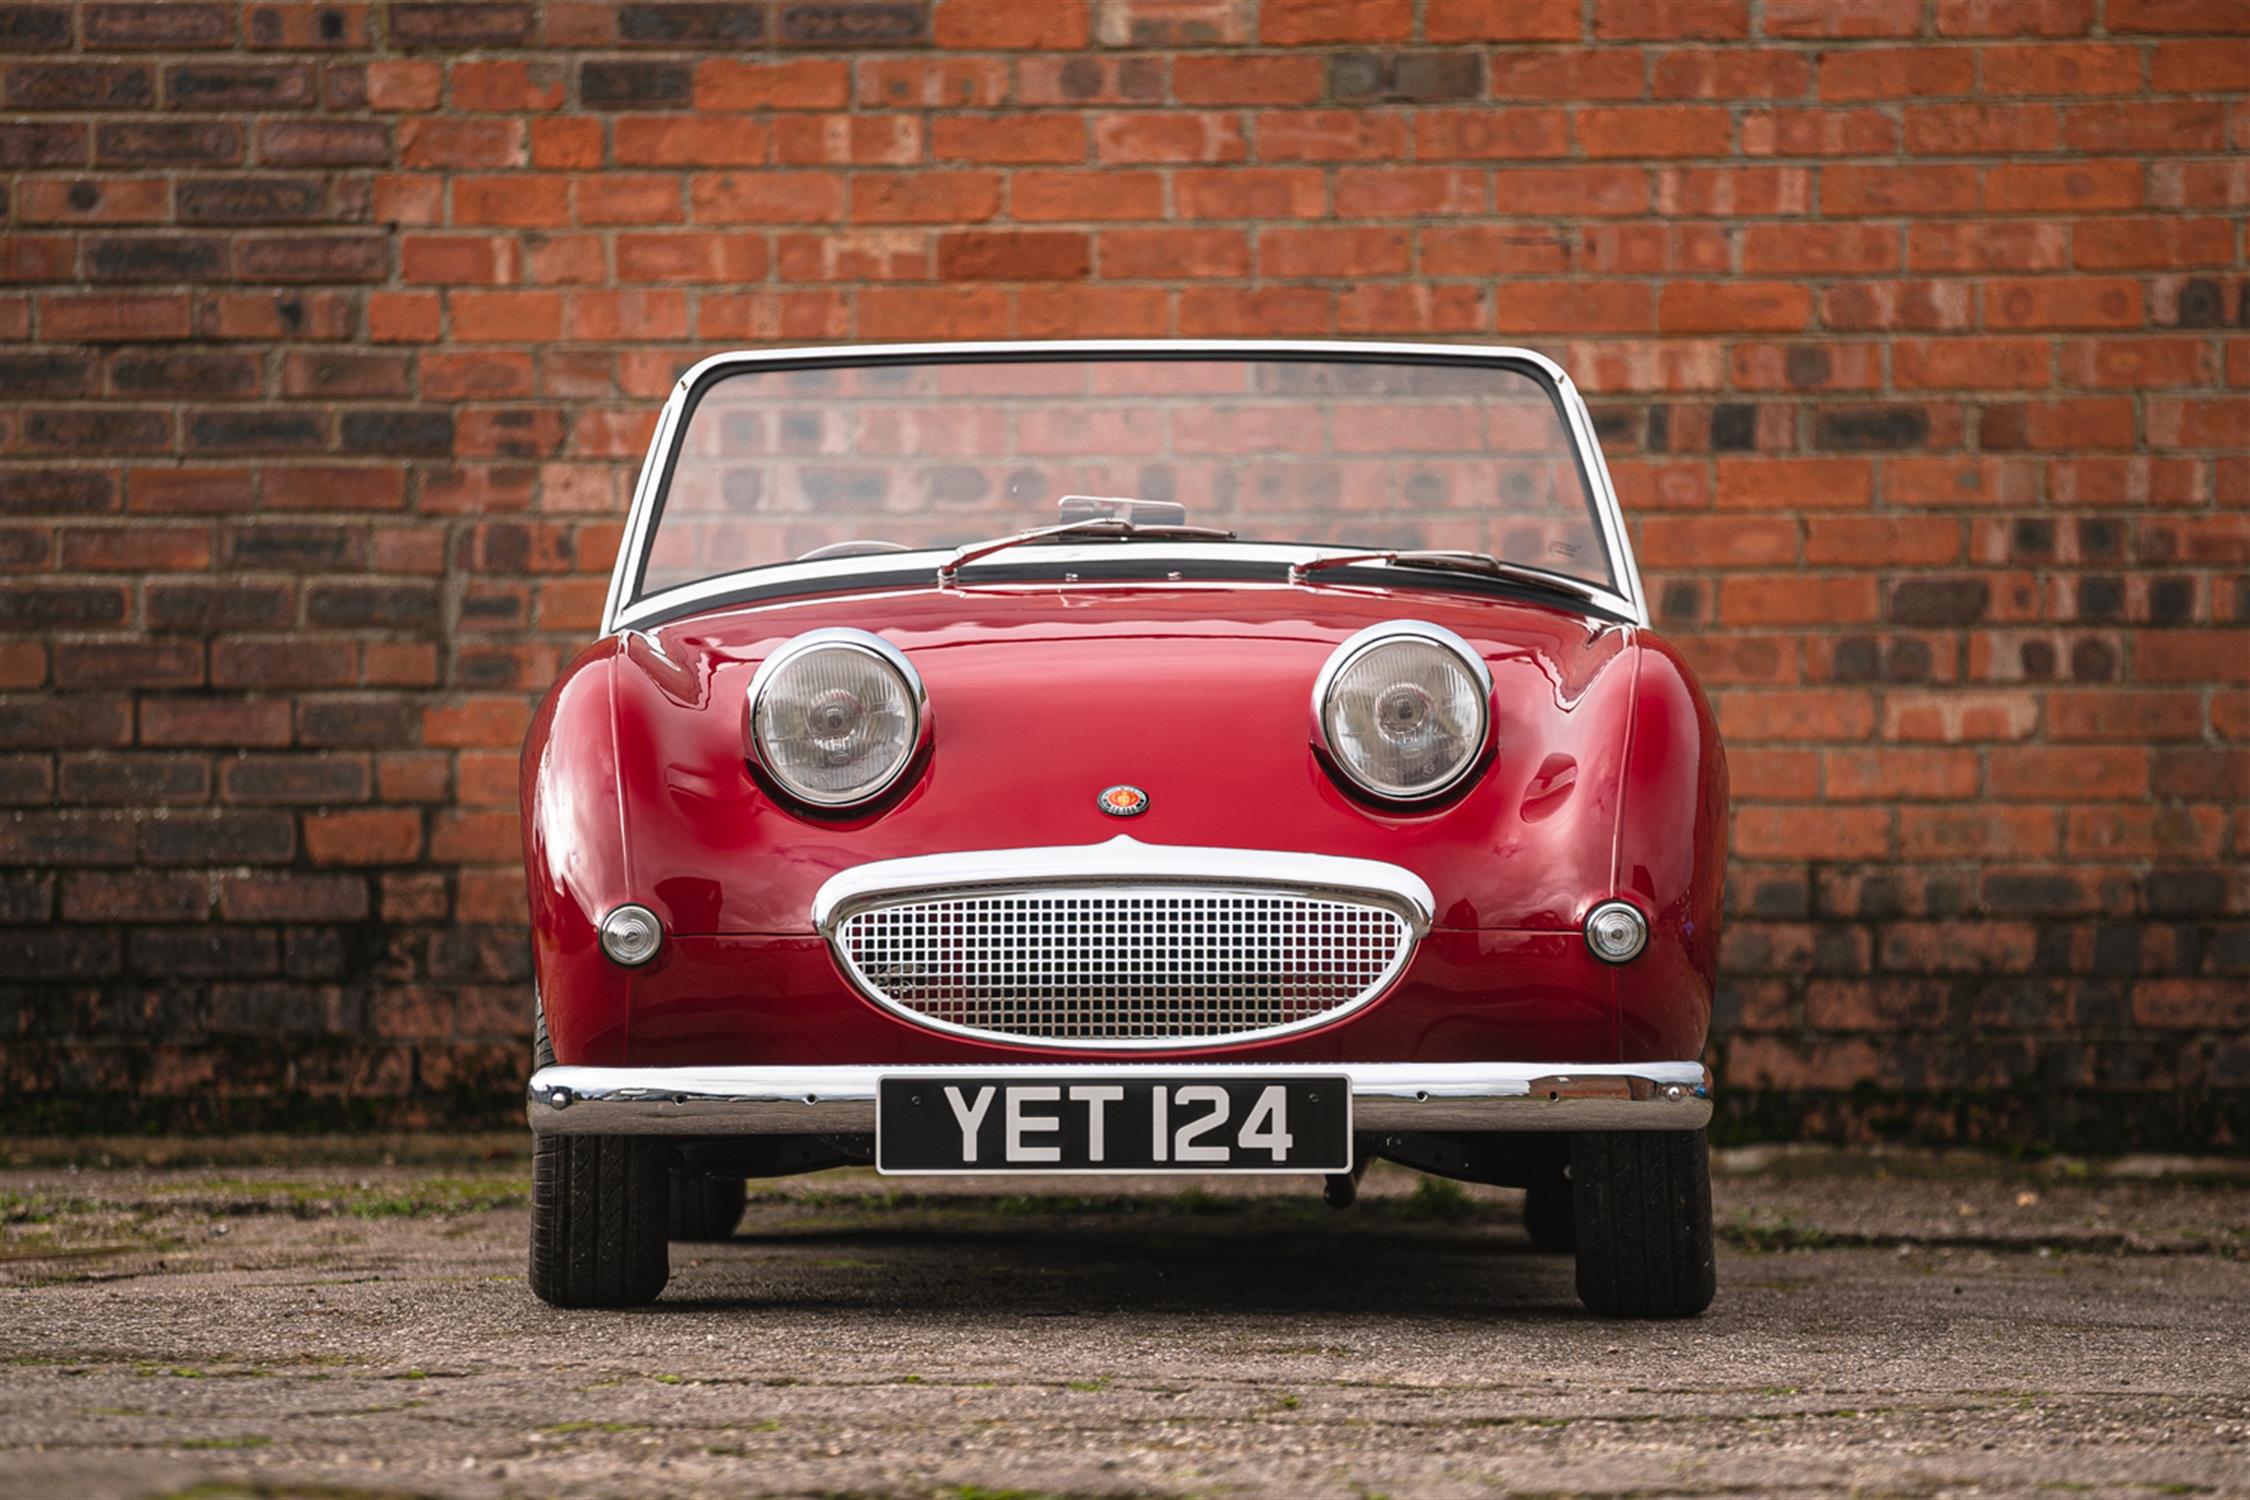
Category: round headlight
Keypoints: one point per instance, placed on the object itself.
(1403, 708)
(1616, 931)
(835, 715)
(631, 935)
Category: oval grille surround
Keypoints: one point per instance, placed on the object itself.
(1123, 966)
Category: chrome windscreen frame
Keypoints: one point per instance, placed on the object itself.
(918, 569)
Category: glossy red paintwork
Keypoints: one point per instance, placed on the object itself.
(1607, 779)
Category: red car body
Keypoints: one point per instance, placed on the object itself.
(1607, 779)
(1121, 704)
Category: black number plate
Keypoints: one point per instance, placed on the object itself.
(1118, 1124)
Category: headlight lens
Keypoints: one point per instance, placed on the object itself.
(1403, 709)
(835, 715)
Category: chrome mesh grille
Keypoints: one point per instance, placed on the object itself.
(1122, 967)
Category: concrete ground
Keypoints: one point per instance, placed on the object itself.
(1899, 1325)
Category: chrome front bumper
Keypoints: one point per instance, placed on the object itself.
(1393, 1097)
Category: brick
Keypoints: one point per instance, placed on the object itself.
(64, 723)
(136, 548)
(142, 896)
(2136, 363)
(2144, 125)
(728, 84)
(1054, 138)
(1981, 129)
(220, 722)
(373, 836)
(32, 376)
(680, 141)
(1014, 256)
(1897, 73)
(216, 86)
(692, 25)
(2151, 244)
(35, 28)
(933, 197)
(1898, 190)
(977, 25)
(2061, 70)
(40, 144)
(460, 26)
(77, 86)
(1577, 306)
(1733, 191)
(1820, 249)
(1782, 484)
(1779, 832)
(1166, 254)
(324, 143)
(1790, 599)
(1600, 192)
(2011, 18)
(202, 143)
(2067, 302)
(2198, 67)
(2061, 188)
(290, 780)
(1222, 80)
(1693, 307)
(251, 200)
(1296, 22)
(1671, 20)
(220, 838)
(1679, 130)
(853, 23)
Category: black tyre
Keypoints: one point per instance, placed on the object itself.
(597, 1220)
(1546, 1218)
(1641, 1214)
(705, 1208)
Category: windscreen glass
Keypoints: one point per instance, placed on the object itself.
(786, 465)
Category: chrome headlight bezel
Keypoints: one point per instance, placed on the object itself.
(837, 638)
(1359, 645)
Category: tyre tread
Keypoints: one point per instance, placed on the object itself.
(1641, 1217)
(597, 1220)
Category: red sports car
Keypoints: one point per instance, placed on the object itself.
(1128, 758)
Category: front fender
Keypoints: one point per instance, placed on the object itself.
(1671, 858)
(576, 859)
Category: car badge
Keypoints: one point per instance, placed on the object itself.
(1123, 801)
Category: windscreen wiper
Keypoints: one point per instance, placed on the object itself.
(1104, 526)
(1453, 561)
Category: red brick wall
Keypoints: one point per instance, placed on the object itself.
(330, 334)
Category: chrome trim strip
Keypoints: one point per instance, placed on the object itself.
(1628, 600)
(1123, 860)
(1386, 1097)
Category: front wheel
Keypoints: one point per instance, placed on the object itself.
(598, 1209)
(1641, 1218)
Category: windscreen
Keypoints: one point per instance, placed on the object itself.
(774, 466)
